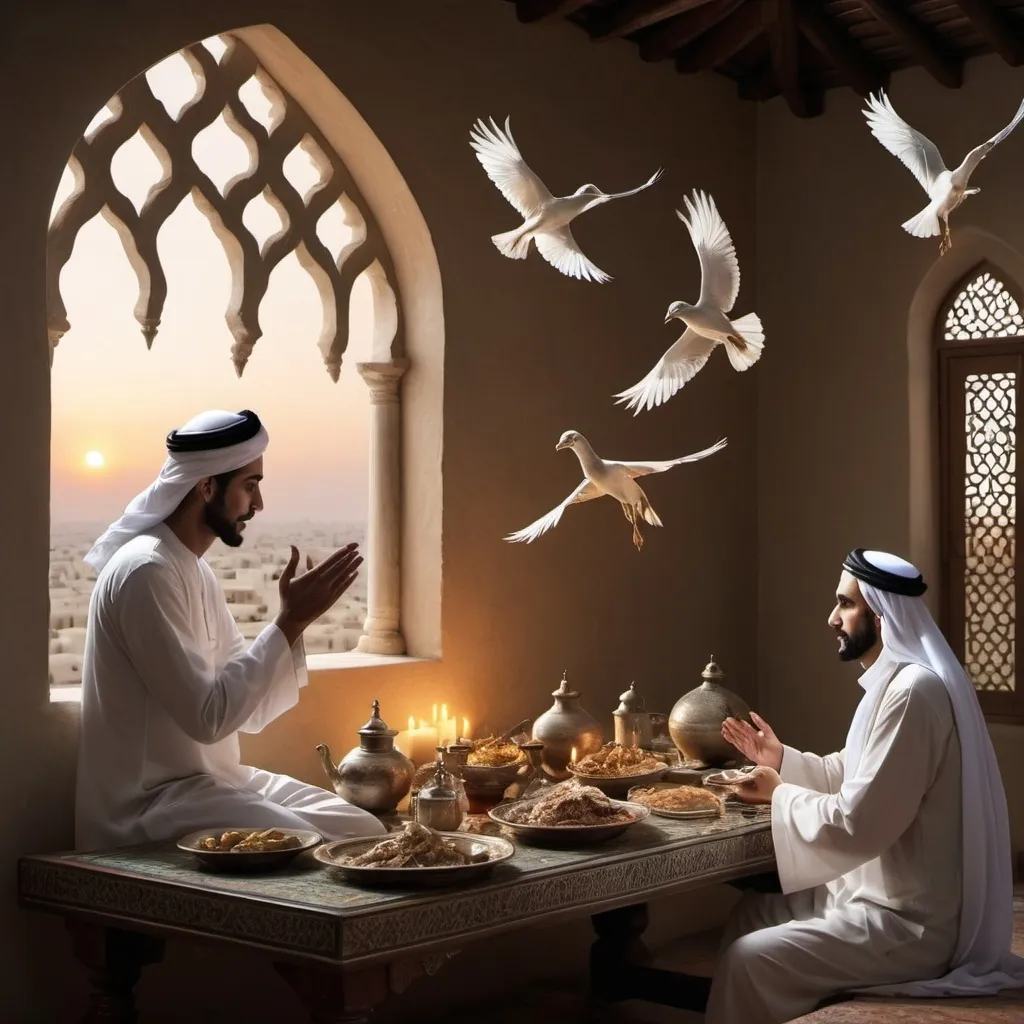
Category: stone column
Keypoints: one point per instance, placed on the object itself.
(382, 633)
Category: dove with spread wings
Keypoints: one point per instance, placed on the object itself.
(707, 323)
(946, 189)
(546, 218)
(616, 479)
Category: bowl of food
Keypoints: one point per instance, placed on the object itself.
(569, 814)
(415, 856)
(247, 849)
(615, 770)
(492, 763)
(671, 800)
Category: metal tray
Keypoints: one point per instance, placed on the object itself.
(566, 835)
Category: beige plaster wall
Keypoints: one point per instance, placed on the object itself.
(849, 300)
(528, 354)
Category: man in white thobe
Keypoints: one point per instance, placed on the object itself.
(168, 681)
(893, 854)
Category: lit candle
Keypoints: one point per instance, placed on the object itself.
(572, 756)
(465, 729)
(418, 743)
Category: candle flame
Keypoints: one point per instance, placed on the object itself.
(444, 712)
(412, 723)
(465, 728)
(572, 757)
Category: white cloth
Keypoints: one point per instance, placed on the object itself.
(868, 857)
(180, 472)
(167, 685)
(982, 962)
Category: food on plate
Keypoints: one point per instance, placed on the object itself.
(569, 803)
(678, 798)
(416, 846)
(493, 752)
(257, 841)
(615, 761)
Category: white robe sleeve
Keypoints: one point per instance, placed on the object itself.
(802, 768)
(158, 638)
(284, 693)
(821, 836)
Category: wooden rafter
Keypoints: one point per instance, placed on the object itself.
(996, 28)
(760, 86)
(944, 68)
(859, 71)
(725, 40)
(784, 42)
(685, 28)
(536, 10)
(638, 14)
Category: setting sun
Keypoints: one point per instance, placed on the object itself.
(95, 460)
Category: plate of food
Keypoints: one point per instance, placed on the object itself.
(671, 800)
(416, 855)
(492, 763)
(615, 770)
(729, 776)
(569, 814)
(247, 849)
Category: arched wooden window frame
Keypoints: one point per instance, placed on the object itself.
(957, 360)
(136, 109)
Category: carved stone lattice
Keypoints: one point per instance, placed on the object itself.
(983, 309)
(990, 521)
(135, 109)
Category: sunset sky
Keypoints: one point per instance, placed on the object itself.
(114, 397)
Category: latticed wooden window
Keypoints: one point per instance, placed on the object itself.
(981, 348)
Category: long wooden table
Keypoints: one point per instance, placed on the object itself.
(345, 949)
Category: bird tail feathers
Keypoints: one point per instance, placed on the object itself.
(749, 329)
(513, 244)
(924, 225)
(647, 511)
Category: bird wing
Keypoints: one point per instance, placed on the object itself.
(916, 151)
(680, 364)
(979, 153)
(561, 250)
(498, 153)
(719, 269)
(633, 191)
(636, 469)
(584, 492)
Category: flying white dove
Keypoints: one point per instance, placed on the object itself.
(707, 324)
(546, 218)
(946, 189)
(616, 479)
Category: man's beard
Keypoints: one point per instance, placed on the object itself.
(216, 518)
(860, 641)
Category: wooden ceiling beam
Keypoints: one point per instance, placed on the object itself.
(759, 86)
(685, 28)
(537, 10)
(944, 68)
(996, 28)
(859, 71)
(784, 44)
(725, 40)
(638, 14)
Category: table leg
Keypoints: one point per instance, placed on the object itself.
(619, 965)
(114, 959)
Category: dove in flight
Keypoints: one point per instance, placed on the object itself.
(707, 323)
(616, 479)
(946, 189)
(546, 218)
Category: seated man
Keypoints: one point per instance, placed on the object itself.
(893, 854)
(167, 680)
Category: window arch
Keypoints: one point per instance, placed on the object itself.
(306, 113)
(979, 341)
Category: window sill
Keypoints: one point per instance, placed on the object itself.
(314, 663)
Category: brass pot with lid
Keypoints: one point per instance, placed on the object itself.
(695, 722)
(565, 727)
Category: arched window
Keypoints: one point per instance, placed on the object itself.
(980, 343)
(289, 170)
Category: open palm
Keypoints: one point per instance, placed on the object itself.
(760, 745)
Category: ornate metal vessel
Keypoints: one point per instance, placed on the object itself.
(563, 727)
(374, 775)
(632, 721)
(438, 804)
(696, 720)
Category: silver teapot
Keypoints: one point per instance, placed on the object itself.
(374, 776)
(437, 804)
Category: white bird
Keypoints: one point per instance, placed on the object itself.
(707, 323)
(946, 189)
(546, 218)
(616, 479)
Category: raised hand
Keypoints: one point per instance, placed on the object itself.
(762, 746)
(305, 597)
